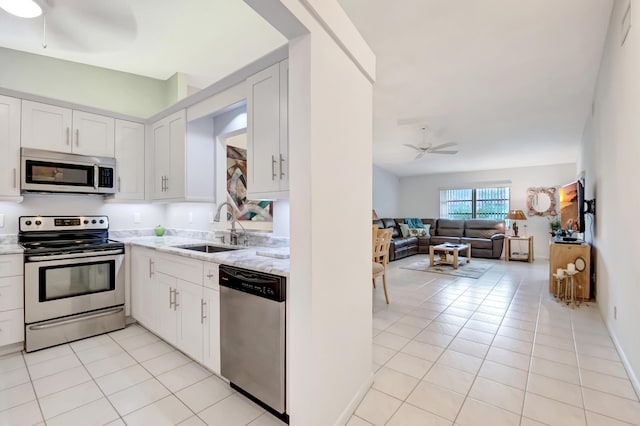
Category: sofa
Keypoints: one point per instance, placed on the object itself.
(485, 236)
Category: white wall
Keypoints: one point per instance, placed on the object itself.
(610, 159)
(386, 187)
(85, 84)
(330, 123)
(420, 195)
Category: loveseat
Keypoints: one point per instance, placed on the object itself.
(486, 236)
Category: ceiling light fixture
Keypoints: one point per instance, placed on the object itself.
(21, 8)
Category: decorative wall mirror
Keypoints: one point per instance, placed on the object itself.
(541, 201)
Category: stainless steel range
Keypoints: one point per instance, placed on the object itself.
(73, 279)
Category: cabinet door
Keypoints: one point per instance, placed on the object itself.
(176, 178)
(190, 319)
(93, 134)
(263, 130)
(129, 153)
(11, 293)
(211, 335)
(168, 326)
(10, 145)
(169, 156)
(160, 133)
(46, 127)
(283, 160)
(143, 289)
(11, 326)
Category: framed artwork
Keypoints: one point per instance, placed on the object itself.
(541, 201)
(251, 210)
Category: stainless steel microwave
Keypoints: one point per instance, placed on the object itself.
(49, 171)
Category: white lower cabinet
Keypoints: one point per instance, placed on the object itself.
(144, 288)
(184, 313)
(211, 341)
(11, 299)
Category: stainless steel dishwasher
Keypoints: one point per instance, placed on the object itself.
(252, 335)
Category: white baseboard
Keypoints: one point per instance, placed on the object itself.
(632, 375)
(355, 401)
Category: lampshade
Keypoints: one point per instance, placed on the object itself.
(374, 215)
(21, 8)
(516, 215)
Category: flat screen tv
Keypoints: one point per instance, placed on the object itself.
(572, 206)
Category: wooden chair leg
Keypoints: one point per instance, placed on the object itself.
(374, 282)
(384, 284)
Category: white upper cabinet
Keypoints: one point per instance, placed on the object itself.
(267, 135)
(60, 129)
(93, 134)
(168, 141)
(183, 159)
(129, 153)
(10, 146)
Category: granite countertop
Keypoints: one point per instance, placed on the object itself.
(10, 248)
(243, 257)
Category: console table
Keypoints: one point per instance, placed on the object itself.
(507, 248)
(562, 254)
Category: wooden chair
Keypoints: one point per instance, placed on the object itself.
(381, 243)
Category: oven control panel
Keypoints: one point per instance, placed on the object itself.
(62, 223)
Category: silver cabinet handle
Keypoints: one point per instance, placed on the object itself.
(203, 304)
(118, 183)
(170, 298)
(281, 168)
(210, 275)
(175, 299)
(166, 183)
(15, 178)
(68, 136)
(77, 137)
(273, 168)
(150, 268)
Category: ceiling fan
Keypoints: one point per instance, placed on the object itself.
(430, 148)
(75, 25)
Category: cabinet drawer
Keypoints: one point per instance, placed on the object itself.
(211, 275)
(11, 289)
(180, 267)
(11, 265)
(11, 327)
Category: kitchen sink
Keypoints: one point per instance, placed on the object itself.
(206, 248)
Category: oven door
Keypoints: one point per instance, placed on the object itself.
(68, 285)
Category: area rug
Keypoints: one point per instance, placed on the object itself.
(473, 269)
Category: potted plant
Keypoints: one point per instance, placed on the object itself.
(554, 224)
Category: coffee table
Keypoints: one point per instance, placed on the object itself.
(451, 249)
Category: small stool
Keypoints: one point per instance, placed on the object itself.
(571, 288)
(559, 294)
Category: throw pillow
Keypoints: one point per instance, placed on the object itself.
(404, 229)
(414, 222)
(427, 229)
(413, 232)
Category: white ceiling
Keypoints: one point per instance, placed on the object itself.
(510, 81)
(205, 39)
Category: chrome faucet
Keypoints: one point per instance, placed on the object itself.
(233, 237)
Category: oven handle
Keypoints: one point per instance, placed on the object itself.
(82, 317)
(74, 255)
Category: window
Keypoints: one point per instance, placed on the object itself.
(474, 203)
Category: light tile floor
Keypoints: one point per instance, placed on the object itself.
(491, 351)
(125, 377)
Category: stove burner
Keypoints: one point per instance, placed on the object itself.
(68, 234)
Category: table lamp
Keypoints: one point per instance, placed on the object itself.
(516, 215)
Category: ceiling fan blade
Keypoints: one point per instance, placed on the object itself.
(445, 145)
(417, 148)
(419, 156)
(443, 152)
